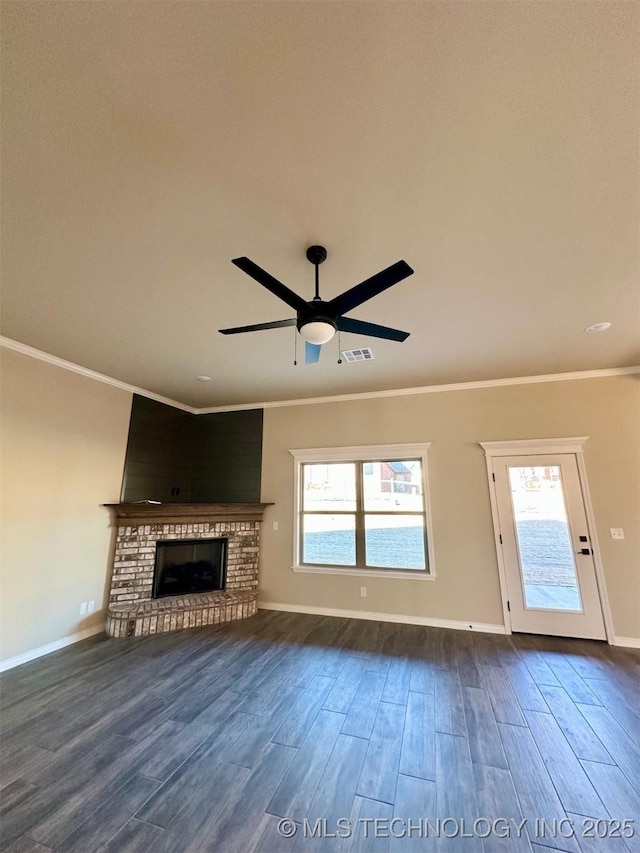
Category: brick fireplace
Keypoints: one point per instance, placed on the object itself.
(133, 611)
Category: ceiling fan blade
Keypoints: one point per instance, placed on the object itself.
(346, 324)
(276, 287)
(311, 352)
(258, 327)
(350, 299)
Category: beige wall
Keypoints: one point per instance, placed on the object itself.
(467, 587)
(63, 445)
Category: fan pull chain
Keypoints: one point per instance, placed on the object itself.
(295, 347)
(339, 349)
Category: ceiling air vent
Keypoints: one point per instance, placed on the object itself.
(350, 355)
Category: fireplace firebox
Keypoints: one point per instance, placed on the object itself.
(189, 566)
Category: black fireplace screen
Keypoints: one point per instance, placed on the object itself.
(189, 566)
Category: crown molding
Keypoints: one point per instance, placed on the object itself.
(309, 401)
(431, 389)
(16, 346)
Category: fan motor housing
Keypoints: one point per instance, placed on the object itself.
(316, 317)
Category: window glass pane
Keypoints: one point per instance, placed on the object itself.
(329, 539)
(329, 486)
(544, 542)
(393, 486)
(394, 541)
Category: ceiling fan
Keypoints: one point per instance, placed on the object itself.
(317, 320)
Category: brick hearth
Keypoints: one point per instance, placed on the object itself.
(132, 610)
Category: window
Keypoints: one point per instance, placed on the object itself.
(363, 510)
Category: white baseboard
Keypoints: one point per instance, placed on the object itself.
(628, 642)
(384, 617)
(18, 660)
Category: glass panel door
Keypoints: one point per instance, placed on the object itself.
(551, 583)
(549, 576)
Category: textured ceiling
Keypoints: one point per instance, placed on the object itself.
(493, 146)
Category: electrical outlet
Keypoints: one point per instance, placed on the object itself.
(83, 608)
(275, 525)
(91, 607)
(363, 592)
(617, 533)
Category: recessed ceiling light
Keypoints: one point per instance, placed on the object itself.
(594, 328)
(203, 378)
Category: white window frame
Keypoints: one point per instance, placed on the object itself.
(363, 453)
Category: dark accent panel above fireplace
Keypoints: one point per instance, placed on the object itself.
(178, 457)
(189, 566)
(159, 453)
(227, 457)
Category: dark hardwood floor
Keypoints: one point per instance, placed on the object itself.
(365, 736)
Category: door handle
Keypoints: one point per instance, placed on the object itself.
(587, 552)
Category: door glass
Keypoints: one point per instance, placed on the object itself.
(544, 540)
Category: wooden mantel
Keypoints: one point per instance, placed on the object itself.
(184, 513)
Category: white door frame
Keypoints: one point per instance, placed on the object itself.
(541, 446)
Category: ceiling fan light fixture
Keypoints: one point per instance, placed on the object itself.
(318, 331)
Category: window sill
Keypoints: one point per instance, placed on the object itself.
(395, 574)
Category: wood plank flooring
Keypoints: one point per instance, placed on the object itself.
(364, 736)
